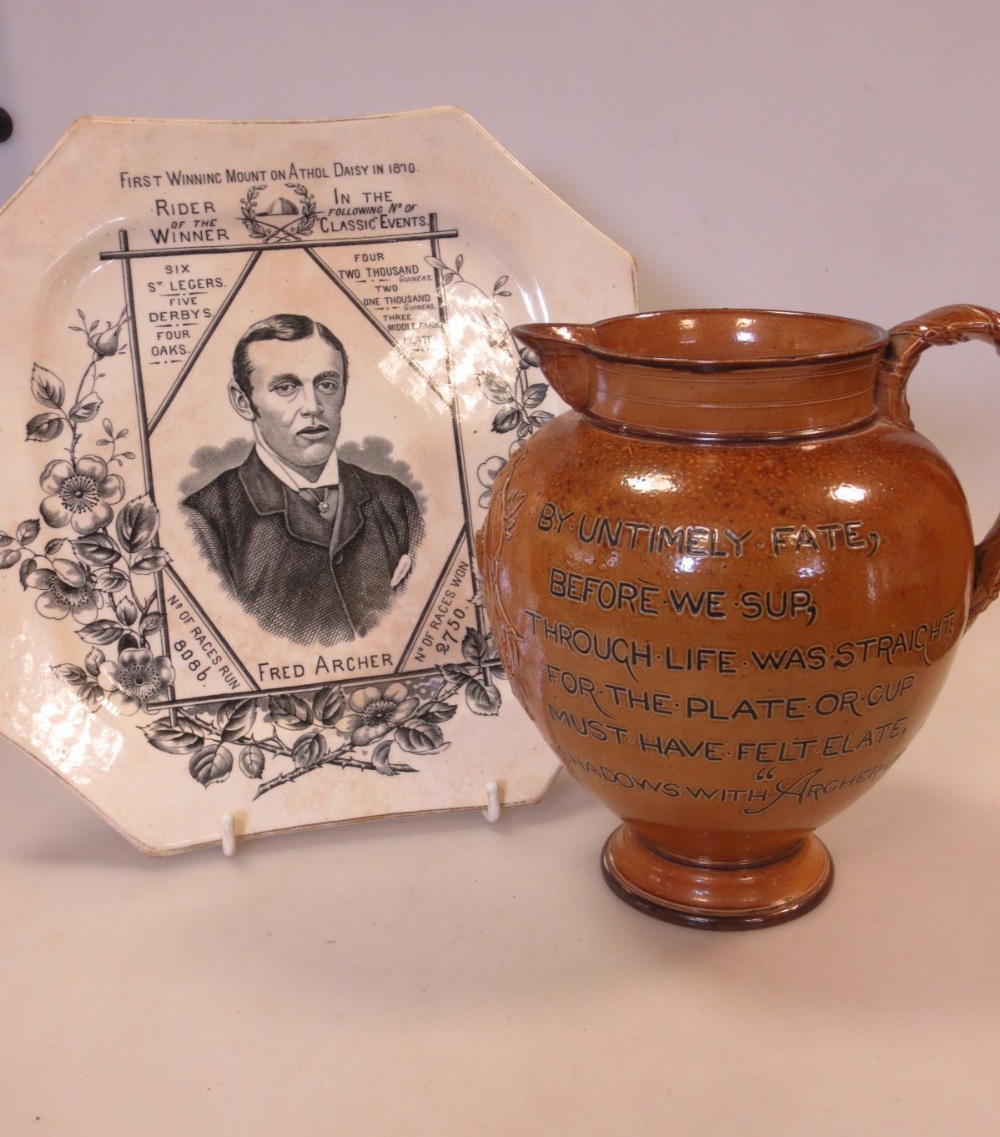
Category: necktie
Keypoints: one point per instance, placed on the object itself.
(324, 499)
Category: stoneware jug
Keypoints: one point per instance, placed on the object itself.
(727, 586)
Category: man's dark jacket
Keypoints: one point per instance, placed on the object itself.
(279, 558)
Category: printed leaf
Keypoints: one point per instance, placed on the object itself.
(506, 420)
(9, 558)
(235, 720)
(501, 281)
(86, 409)
(47, 387)
(436, 262)
(179, 739)
(152, 623)
(211, 764)
(26, 569)
(111, 580)
(127, 642)
(535, 394)
(252, 761)
(192, 720)
(289, 711)
(70, 673)
(86, 689)
(137, 523)
(153, 560)
(420, 737)
(439, 711)
(483, 698)
(96, 549)
(540, 418)
(91, 694)
(308, 750)
(95, 657)
(496, 387)
(5, 539)
(101, 632)
(126, 611)
(44, 427)
(52, 547)
(328, 705)
(455, 672)
(474, 645)
(380, 758)
(459, 261)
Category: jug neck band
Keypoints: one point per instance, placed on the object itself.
(716, 372)
(787, 401)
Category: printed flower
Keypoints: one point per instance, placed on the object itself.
(373, 713)
(66, 588)
(80, 494)
(136, 677)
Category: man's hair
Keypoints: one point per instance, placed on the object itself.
(283, 327)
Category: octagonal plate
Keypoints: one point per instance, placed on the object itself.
(191, 636)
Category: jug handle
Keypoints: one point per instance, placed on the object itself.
(953, 324)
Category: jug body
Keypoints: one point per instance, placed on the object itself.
(728, 588)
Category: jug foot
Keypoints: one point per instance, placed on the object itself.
(717, 896)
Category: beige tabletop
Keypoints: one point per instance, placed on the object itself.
(442, 975)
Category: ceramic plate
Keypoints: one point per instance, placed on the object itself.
(259, 380)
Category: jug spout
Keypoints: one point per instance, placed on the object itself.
(563, 357)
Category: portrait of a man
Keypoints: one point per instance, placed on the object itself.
(315, 548)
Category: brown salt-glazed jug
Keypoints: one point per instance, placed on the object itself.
(728, 585)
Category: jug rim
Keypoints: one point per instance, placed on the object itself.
(853, 338)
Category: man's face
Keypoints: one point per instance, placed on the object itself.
(298, 391)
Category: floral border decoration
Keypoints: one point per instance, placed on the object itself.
(331, 726)
(101, 571)
(519, 398)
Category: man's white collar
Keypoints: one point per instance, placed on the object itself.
(329, 477)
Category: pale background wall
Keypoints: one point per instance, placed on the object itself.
(794, 154)
(421, 977)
